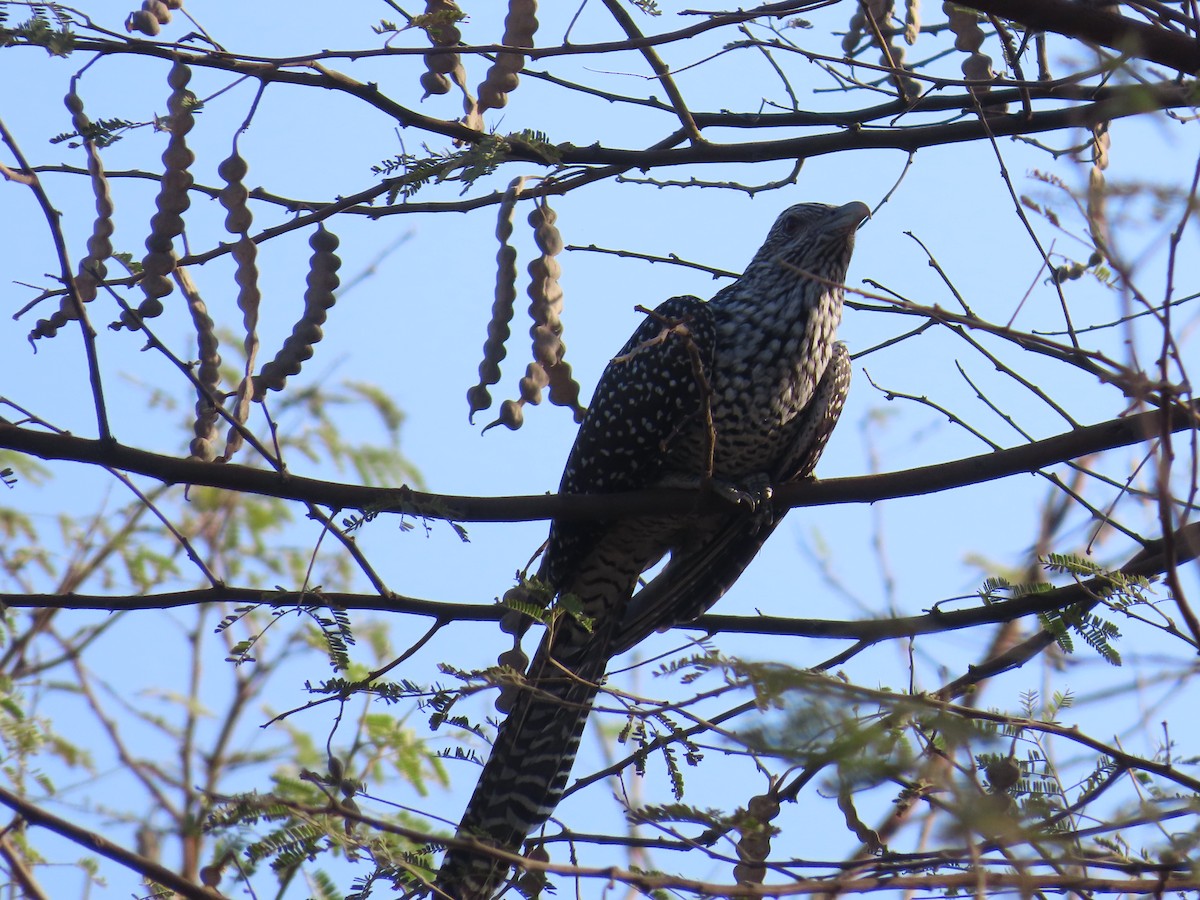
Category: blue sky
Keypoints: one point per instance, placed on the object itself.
(415, 327)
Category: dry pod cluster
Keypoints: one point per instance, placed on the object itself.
(204, 444)
(532, 881)
(881, 34)
(912, 21)
(238, 219)
(172, 202)
(513, 659)
(504, 75)
(968, 38)
(494, 350)
(441, 65)
(545, 309)
(92, 269)
(1097, 197)
(298, 347)
(754, 846)
(152, 16)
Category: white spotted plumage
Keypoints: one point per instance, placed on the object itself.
(760, 358)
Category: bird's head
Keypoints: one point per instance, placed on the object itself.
(814, 238)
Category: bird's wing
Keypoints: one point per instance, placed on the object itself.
(697, 578)
(646, 396)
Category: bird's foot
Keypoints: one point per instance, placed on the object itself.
(753, 494)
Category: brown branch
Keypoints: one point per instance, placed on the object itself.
(1031, 457)
(97, 843)
(1095, 25)
(1147, 563)
(54, 221)
(661, 70)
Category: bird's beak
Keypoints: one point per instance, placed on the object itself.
(851, 215)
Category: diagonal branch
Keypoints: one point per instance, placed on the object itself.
(1094, 24)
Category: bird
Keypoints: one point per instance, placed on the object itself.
(734, 394)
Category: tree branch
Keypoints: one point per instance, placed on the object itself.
(102, 845)
(930, 479)
(1091, 23)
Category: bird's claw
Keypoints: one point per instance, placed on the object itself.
(749, 498)
(753, 495)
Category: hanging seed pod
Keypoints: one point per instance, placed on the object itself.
(298, 347)
(912, 21)
(564, 389)
(144, 21)
(158, 9)
(531, 385)
(1097, 196)
(172, 201)
(532, 881)
(511, 416)
(545, 293)
(494, 350)
(891, 53)
(854, 31)
(968, 38)
(503, 77)
(234, 195)
(546, 310)
(754, 846)
(92, 268)
(444, 33)
(238, 220)
(872, 18)
(513, 659)
(204, 444)
(152, 16)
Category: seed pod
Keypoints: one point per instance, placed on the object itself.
(1097, 196)
(546, 309)
(912, 21)
(511, 416)
(203, 445)
(434, 83)
(502, 78)
(544, 292)
(891, 53)
(854, 31)
(298, 347)
(514, 659)
(564, 389)
(754, 845)
(245, 253)
(494, 350)
(92, 269)
(532, 881)
(172, 200)
(443, 34)
(531, 385)
(234, 195)
(144, 21)
(158, 9)
(969, 37)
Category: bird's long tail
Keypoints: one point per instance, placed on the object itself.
(531, 758)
